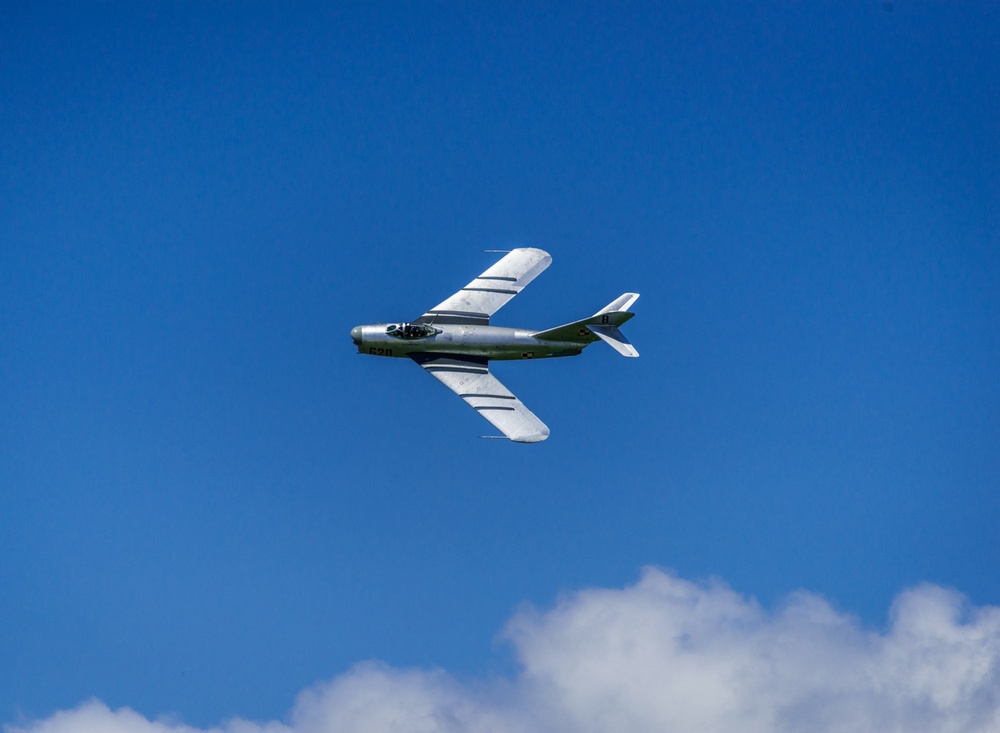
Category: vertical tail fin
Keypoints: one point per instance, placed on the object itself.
(621, 303)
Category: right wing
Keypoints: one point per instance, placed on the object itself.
(469, 377)
(476, 302)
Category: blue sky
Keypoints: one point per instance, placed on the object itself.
(210, 502)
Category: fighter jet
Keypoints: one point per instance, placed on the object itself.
(454, 341)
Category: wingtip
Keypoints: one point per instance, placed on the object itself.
(537, 437)
(530, 439)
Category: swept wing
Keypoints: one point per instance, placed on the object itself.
(476, 302)
(469, 377)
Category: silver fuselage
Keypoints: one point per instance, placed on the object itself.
(491, 342)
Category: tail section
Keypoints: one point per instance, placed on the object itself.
(602, 325)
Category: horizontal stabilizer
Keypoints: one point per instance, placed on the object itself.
(614, 338)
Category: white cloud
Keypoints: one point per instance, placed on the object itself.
(668, 655)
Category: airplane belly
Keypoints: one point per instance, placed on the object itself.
(501, 351)
(503, 344)
(532, 348)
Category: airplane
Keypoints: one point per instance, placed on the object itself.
(454, 341)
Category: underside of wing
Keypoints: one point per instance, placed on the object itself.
(476, 302)
(469, 377)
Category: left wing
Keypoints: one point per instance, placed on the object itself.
(476, 302)
(469, 377)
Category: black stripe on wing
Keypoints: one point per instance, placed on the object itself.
(445, 362)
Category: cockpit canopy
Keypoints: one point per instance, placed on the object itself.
(410, 330)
